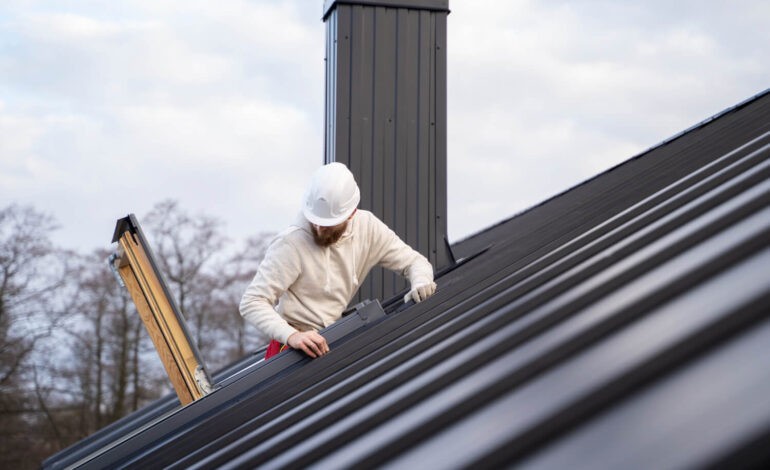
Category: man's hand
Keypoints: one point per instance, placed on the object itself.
(420, 292)
(312, 343)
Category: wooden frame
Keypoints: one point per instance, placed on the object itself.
(134, 263)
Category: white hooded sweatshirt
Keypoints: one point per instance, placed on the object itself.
(300, 286)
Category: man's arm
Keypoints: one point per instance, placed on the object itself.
(397, 256)
(277, 272)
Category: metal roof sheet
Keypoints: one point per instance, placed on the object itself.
(624, 322)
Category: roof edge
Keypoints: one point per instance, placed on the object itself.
(430, 5)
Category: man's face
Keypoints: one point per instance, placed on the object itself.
(326, 236)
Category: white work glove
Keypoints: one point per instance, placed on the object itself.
(420, 292)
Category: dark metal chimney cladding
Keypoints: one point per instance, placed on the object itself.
(386, 118)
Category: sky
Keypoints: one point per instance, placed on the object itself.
(107, 108)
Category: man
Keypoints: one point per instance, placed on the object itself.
(312, 269)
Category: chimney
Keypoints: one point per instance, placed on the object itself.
(386, 119)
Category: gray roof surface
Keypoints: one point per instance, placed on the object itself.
(622, 323)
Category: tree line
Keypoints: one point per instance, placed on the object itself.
(74, 354)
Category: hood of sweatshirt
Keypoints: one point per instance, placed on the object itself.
(303, 224)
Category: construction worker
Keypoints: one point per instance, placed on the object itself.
(312, 269)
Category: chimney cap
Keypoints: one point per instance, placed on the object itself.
(430, 5)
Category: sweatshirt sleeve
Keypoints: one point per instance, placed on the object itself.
(397, 256)
(277, 272)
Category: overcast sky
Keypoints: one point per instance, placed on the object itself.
(107, 108)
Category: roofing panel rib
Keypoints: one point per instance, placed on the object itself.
(685, 408)
(534, 407)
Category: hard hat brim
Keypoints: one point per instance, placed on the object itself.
(324, 222)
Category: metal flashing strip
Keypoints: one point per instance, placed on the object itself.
(397, 304)
(364, 313)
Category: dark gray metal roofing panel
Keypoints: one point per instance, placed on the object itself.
(543, 404)
(688, 412)
(609, 303)
(111, 433)
(404, 429)
(256, 449)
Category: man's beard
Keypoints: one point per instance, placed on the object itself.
(329, 236)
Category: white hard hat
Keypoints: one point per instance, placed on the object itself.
(333, 195)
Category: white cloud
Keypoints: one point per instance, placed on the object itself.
(552, 93)
(117, 109)
(109, 107)
(22, 134)
(71, 27)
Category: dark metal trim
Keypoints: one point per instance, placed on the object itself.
(126, 224)
(428, 5)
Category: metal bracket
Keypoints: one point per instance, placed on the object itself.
(371, 310)
(113, 260)
(366, 310)
(202, 380)
(355, 308)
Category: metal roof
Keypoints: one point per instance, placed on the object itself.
(622, 323)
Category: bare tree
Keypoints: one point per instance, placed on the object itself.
(110, 373)
(228, 337)
(31, 271)
(74, 354)
(241, 268)
(27, 278)
(206, 283)
(185, 246)
(112, 368)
